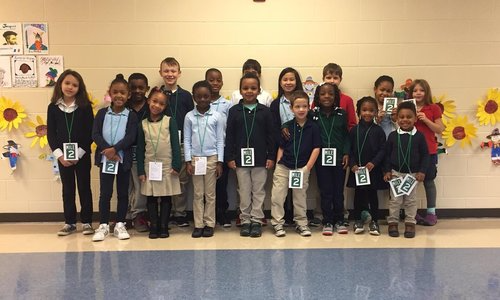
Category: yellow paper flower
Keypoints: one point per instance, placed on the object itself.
(447, 106)
(11, 114)
(458, 130)
(487, 109)
(93, 102)
(40, 133)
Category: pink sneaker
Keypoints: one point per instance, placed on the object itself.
(430, 220)
(420, 220)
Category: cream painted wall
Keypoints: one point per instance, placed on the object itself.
(455, 45)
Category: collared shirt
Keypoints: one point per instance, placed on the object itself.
(286, 113)
(263, 97)
(204, 134)
(114, 127)
(302, 147)
(221, 105)
(65, 107)
(411, 132)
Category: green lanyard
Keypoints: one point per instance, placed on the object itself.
(296, 150)
(155, 147)
(69, 127)
(116, 131)
(329, 133)
(249, 133)
(406, 156)
(202, 141)
(174, 112)
(360, 149)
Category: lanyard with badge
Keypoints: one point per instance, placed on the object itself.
(155, 167)
(296, 177)
(247, 154)
(200, 162)
(328, 155)
(70, 150)
(362, 174)
(111, 166)
(174, 112)
(403, 185)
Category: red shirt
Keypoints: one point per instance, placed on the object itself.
(432, 112)
(347, 104)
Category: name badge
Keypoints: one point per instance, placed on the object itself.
(134, 153)
(362, 176)
(200, 166)
(295, 179)
(390, 104)
(412, 101)
(394, 184)
(70, 151)
(109, 166)
(155, 171)
(329, 157)
(247, 157)
(408, 184)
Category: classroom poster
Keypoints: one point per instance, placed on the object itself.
(49, 69)
(24, 71)
(5, 73)
(12, 39)
(36, 38)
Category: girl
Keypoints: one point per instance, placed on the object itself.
(334, 159)
(69, 131)
(429, 123)
(383, 88)
(288, 82)
(158, 162)
(366, 155)
(114, 132)
(250, 151)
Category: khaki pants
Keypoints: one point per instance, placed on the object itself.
(280, 190)
(251, 188)
(137, 201)
(408, 202)
(179, 202)
(204, 195)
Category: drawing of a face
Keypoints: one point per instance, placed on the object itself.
(10, 38)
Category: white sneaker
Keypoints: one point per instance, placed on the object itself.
(279, 231)
(121, 231)
(101, 233)
(87, 229)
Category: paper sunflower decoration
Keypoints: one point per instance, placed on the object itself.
(487, 110)
(447, 106)
(40, 133)
(458, 130)
(94, 103)
(11, 114)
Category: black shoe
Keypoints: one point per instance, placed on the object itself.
(153, 232)
(245, 229)
(182, 221)
(208, 231)
(256, 230)
(164, 233)
(197, 232)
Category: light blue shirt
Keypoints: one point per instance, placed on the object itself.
(114, 127)
(286, 113)
(204, 134)
(221, 105)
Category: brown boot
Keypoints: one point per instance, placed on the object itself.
(393, 230)
(409, 230)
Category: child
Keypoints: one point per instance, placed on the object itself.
(367, 141)
(330, 168)
(253, 66)
(180, 102)
(220, 104)
(158, 162)
(204, 154)
(288, 82)
(114, 132)
(250, 151)
(69, 132)
(297, 153)
(383, 88)
(406, 153)
(429, 123)
(138, 85)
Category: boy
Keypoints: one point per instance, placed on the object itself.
(220, 104)
(204, 130)
(180, 102)
(299, 152)
(406, 154)
(253, 66)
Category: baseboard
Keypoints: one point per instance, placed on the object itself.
(442, 213)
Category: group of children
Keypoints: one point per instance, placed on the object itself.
(152, 146)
